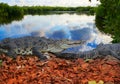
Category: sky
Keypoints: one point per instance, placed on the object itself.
(68, 3)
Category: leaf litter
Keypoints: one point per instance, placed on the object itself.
(30, 70)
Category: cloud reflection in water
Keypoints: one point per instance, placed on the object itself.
(65, 26)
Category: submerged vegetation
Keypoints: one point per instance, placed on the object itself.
(108, 18)
(10, 13)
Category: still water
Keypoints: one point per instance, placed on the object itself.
(64, 26)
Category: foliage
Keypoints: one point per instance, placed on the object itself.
(9, 13)
(108, 18)
(46, 9)
(87, 10)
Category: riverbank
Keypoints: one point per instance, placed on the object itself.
(11, 13)
(30, 70)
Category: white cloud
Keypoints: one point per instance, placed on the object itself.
(51, 2)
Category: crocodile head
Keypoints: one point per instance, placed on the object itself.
(61, 45)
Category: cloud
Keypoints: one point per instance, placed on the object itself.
(81, 34)
(51, 2)
(58, 35)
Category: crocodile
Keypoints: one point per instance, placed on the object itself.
(30, 45)
(101, 50)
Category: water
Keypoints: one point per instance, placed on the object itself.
(64, 26)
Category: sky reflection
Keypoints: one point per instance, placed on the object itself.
(65, 26)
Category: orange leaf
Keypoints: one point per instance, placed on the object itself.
(85, 65)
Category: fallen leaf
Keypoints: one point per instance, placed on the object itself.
(92, 82)
(100, 82)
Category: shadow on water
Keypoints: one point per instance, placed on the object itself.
(8, 20)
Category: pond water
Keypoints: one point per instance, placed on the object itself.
(64, 26)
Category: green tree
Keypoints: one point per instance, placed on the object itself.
(108, 18)
(9, 13)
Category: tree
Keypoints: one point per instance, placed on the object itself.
(108, 18)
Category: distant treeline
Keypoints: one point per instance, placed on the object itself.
(9, 13)
(47, 9)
